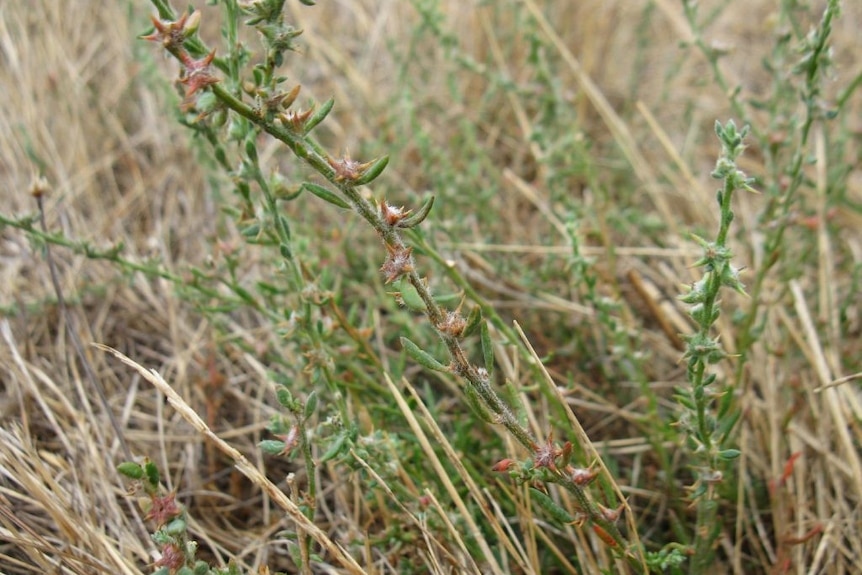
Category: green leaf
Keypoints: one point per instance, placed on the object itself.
(336, 448)
(729, 454)
(250, 231)
(325, 195)
(411, 298)
(319, 115)
(285, 252)
(473, 321)
(487, 347)
(152, 472)
(513, 398)
(284, 225)
(418, 216)
(295, 553)
(251, 150)
(177, 526)
(310, 405)
(477, 405)
(131, 470)
(271, 446)
(551, 507)
(727, 423)
(422, 357)
(285, 398)
(371, 172)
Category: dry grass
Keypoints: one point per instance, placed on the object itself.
(81, 108)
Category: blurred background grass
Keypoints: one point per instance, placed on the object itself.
(566, 205)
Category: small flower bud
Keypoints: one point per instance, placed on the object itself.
(611, 514)
(452, 324)
(192, 24)
(39, 187)
(289, 98)
(391, 214)
(296, 120)
(398, 263)
(581, 476)
(345, 168)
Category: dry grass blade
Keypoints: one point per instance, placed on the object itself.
(44, 485)
(433, 544)
(585, 441)
(612, 119)
(490, 557)
(242, 464)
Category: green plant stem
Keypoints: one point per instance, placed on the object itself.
(305, 148)
(707, 515)
(707, 432)
(391, 236)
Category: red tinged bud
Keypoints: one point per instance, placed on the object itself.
(171, 35)
(172, 558)
(163, 509)
(604, 536)
(503, 465)
(546, 455)
(581, 476)
(391, 214)
(452, 324)
(196, 75)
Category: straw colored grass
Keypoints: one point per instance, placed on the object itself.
(81, 108)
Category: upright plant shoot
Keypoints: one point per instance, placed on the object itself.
(706, 425)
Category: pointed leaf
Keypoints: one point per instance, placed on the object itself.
(487, 347)
(272, 446)
(310, 405)
(422, 357)
(473, 321)
(411, 298)
(319, 115)
(325, 195)
(551, 506)
(371, 172)
(336, 448)
(419, 216)
(477, 405)
(729, 454)
(513, 398)
(285, 398)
